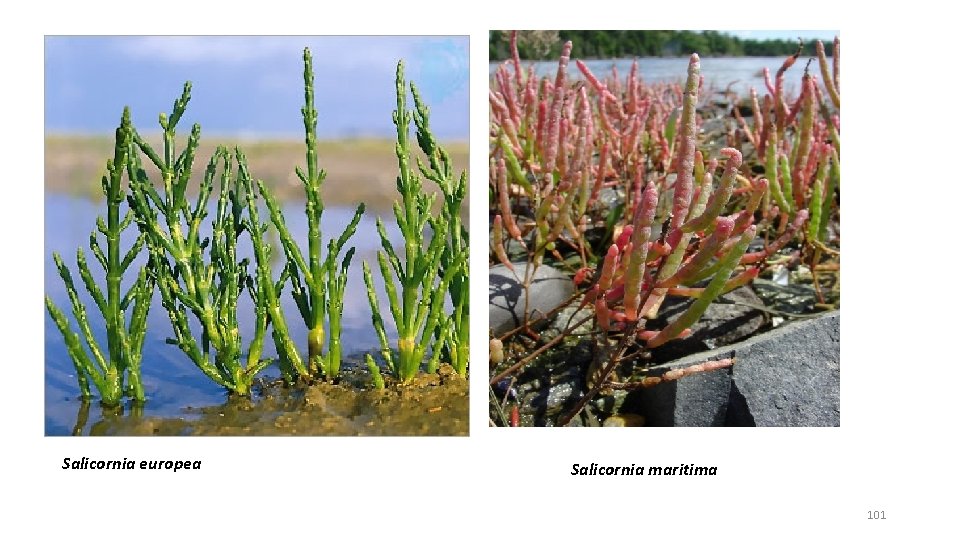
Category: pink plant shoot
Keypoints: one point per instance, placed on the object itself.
(739, 280)
(683, 188)
(509, 94)
(708, 248)
(594, 81)
(609, 169)
(777, 245)
(601, 174)
(505, 211)
(836, 64)
(633, 88)
(610, 263)
(720, 197)
(641, 235)
(806, 138)
(553, 121)
(767, 82)
(603, 314)
(530, 102)
(497, 105)
(757, 114)
(605, 121)
(498, 249)
(709, 294)
(745, 219)
(779, 98)
(515, 56)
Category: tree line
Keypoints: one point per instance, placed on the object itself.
(545, 45)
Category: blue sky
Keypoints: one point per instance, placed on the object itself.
(253, 86)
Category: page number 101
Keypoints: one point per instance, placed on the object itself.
(876, 514)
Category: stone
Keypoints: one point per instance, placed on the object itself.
(727, 320)
(549, 288)
(788, 298)
(789, 376)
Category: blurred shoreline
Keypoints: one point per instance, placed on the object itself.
(363, 169)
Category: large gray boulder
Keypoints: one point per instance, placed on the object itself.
(786, 377)
(549, 288)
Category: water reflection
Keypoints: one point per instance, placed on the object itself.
(106, 416)
(170, 379)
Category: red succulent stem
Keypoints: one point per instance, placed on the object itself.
(504, 199)
(708, 249)
(498, 242)
(556, 107)
(610, 263)
(515, 54)
(642, 222)
(683, 188)
(777, 245)
(594, 81)
(836, 63)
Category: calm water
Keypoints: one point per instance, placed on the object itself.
(741, 72)
(171, 380)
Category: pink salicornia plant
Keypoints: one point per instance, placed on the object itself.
(556, 144)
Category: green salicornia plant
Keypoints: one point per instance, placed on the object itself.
(267, 291)
(317, 286)
(195, 263)
(455, 333)
(118, 372)
(424, 274)
(198, 275)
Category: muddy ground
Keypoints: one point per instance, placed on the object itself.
(433, 404)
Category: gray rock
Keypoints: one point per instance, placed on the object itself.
(727, 320)
(793, 298)
(786, 377)
(570, 320)
(553, 384)
(549, 288)
(609, 197)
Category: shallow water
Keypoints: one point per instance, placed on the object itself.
(171, 381)
(432, 404)
(740, 73)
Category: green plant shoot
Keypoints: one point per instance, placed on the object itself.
(454, 190)
(317, 284)
(424, 275)
(118, 372)
(206, 283)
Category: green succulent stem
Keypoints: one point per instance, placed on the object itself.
(696, 310)
(833, 183)
(116, 373)
(317, 284)
(201, 276)
(817, 199)
(291, 364)
(428, 270)
(375, 375)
